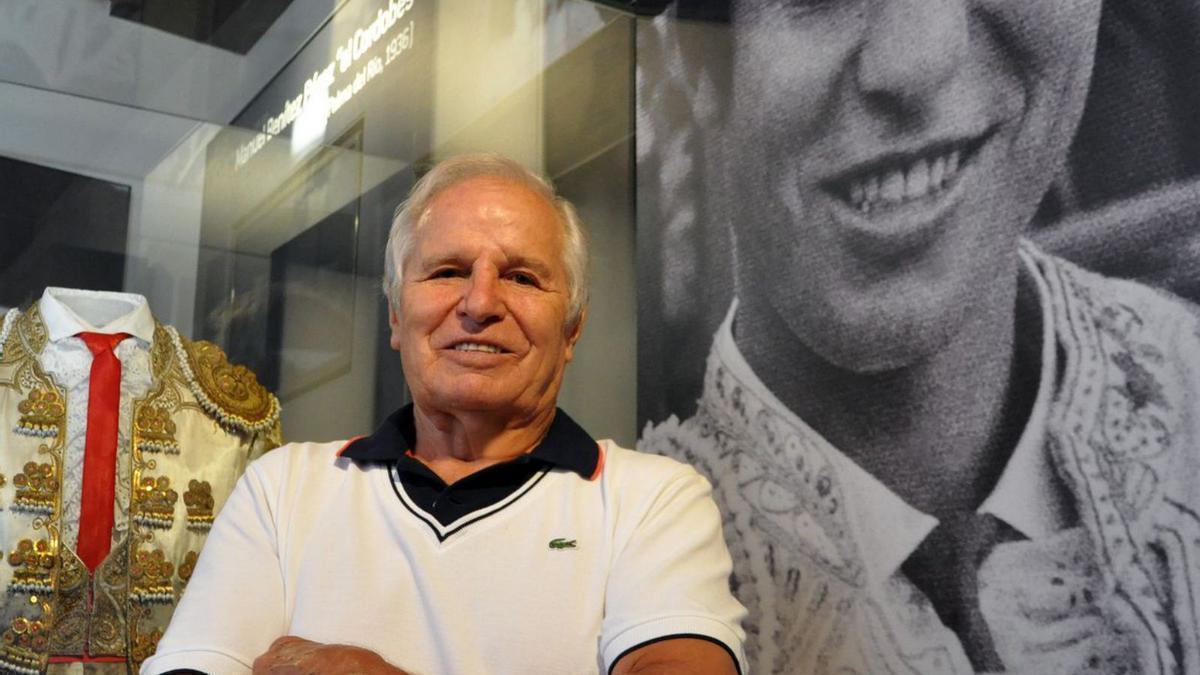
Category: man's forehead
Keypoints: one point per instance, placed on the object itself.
(532, 237)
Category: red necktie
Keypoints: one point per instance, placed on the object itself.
(100, 449)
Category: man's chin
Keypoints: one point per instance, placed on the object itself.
(871, 351)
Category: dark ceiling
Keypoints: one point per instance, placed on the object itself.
(233, 25)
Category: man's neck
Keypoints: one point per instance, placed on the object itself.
(456, 445)
(937, 433)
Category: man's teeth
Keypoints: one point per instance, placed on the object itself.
(919, 179)
(476, 347)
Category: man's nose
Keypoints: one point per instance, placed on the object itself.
(482, 300)
(911, 49)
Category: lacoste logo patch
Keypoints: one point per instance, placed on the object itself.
(560, 544)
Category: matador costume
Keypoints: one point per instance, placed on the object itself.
(1102, 492)
(188, 423)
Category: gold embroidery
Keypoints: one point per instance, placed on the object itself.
(187, 567)
(35, 566)
(42, 413)
(37, 488)
(25, 644)
(71, 605)
(155, 430)
(106, 632)
(32, 330)
(161, 351)
(144, 645)
(154, 502)
(231, 393)
(199, 502)
(151, 576)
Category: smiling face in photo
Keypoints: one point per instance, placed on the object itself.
(887, 154)
(481, 322)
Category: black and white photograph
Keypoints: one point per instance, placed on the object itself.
(917, 286)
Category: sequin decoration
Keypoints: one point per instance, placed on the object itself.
(154, 502)
(199, 502)
(155, 430)
(34, 561)
(144, 645)
(37, 489)
(151, 574)
(231, 393)
(187, 566)
(25, 643)
(42, 413)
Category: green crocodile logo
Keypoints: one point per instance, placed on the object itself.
(561, 543)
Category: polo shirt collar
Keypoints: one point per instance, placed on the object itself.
(70, 311)
(566, 445)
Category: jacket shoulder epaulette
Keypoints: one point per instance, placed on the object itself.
(6, 326)
(229, 392)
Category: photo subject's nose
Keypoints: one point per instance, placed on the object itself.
(911, 49)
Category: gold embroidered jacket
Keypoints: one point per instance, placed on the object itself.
(192, 435)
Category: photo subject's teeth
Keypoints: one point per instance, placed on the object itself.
(858, 193)
(921, 178)
(892, 189)
(938, 172)
(916, 183)
(872, 189)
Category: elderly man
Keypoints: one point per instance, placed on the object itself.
(941, 449)
(479, 530)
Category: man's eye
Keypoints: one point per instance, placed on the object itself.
(523, 278)
(446, 273)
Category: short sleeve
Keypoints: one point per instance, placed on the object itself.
(233, 607)
(671, 578)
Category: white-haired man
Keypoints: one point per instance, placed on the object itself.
(479, 530)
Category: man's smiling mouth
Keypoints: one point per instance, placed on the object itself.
(903, 178)
(477, 347)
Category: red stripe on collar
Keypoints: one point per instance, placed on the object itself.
(599, 462)
(348, 444)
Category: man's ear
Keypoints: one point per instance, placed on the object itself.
(574, 333)
(393, 323)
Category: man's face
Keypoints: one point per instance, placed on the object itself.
(481, 317)
(886, 155)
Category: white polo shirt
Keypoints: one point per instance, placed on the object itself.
(595, 551)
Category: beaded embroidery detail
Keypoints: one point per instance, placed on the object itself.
(187, 567)
(199, 502)
(230, 393)
(151, 574)
(154, 502)
(10, 320)
(155, 430)
(42, 413)
(35, 566)
(24, 642)
(37, 489)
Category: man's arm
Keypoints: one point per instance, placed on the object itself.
(668, 605)
(677, 656)
(234, 604)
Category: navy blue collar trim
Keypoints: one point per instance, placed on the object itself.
(566, 444)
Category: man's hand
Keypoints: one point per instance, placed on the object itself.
(290, 655)
(677, 656)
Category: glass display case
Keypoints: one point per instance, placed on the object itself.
(238, 163)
